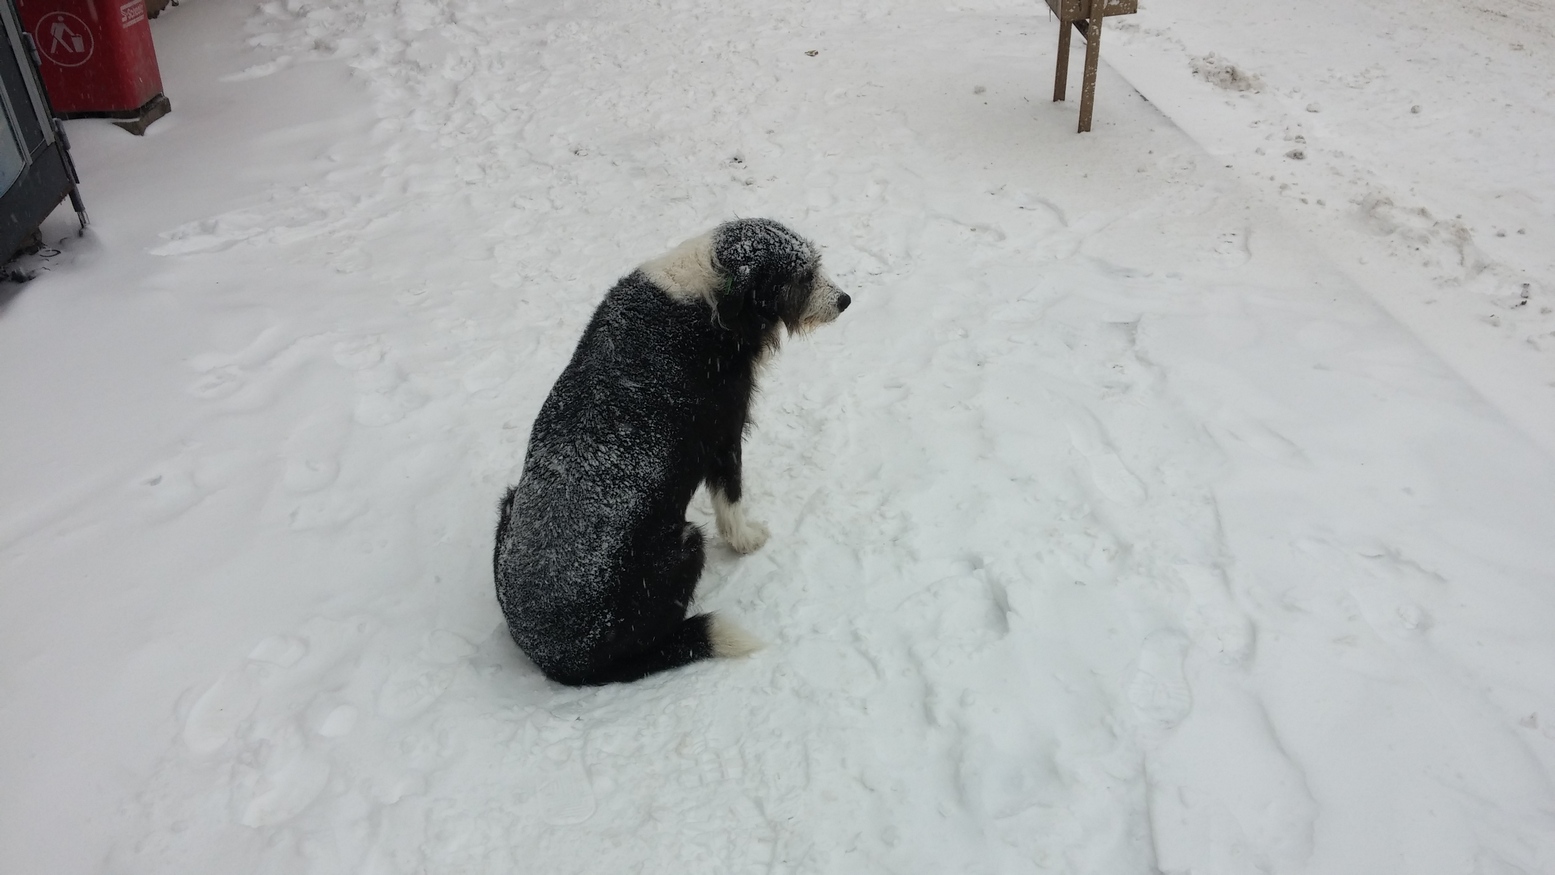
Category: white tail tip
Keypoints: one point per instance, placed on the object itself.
(730, 641)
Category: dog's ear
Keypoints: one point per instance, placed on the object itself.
(730, 300)
(765, 289)
(751, 290)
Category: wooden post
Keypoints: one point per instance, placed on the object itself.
(1061, 76)
(1092, 58)
(1084, 16)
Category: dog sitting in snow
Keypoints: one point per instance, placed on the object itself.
(595, 562)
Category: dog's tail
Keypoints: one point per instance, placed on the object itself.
(728, 640)
(704, 636)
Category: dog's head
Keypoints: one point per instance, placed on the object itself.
(773, 273)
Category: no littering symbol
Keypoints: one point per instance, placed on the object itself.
(63, 39)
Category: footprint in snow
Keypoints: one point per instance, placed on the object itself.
(412, 688)
(1232, 247)
(210, 235)
(1232, 430)
(226, 704)
(251, 378)
(1112, 478)
(220, 711)
(1159, 691)
(325, 512)
(180, 483)
(566, 796)
(259, 71)
(488, 375)
(218, 383)
(282, 651)
(309, 474)
(359, 353)
(1115, 480)
(1212, 618)
(292, 778)
(378, 409)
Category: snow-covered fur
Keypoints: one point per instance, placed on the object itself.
(595, 562)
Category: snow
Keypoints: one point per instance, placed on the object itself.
(1128, 521)
(1410, 141)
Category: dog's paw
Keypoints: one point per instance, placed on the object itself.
(744, 535)
(741, 532)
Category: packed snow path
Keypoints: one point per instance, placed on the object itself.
(1114, 529)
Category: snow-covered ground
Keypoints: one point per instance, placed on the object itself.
(1138, 516)
(1413, 141)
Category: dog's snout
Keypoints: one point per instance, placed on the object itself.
(843, 301)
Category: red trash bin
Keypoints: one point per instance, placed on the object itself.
(97, 59)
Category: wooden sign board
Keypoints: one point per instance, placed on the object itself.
(1071, 10)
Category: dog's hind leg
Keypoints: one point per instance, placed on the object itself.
(663, 636)
(704, 636)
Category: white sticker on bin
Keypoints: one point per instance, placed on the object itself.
(132, 13)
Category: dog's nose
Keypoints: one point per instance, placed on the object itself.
(843, 301)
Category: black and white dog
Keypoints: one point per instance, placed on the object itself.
(595, 562)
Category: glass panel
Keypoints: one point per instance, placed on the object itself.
(11, 158)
